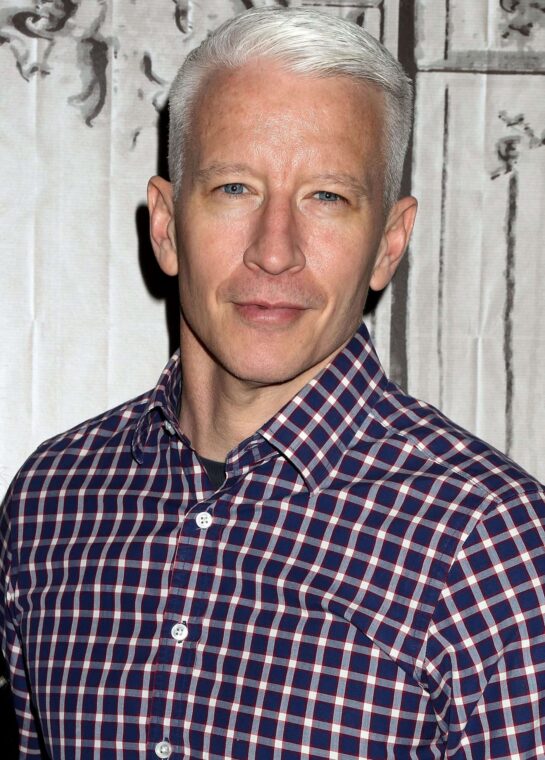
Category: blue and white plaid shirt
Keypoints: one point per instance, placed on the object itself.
(368, 582)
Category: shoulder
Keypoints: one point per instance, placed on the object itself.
(86, 446)
(492, 513)
(60, 482)
(447, 487)
(450, 450)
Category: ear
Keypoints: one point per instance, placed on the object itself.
(394, 241)
(162, 228)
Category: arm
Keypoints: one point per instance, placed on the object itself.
(10, 650)
(484, 659)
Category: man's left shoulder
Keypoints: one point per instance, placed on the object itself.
(451, 451)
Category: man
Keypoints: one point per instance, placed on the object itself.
(276, 553)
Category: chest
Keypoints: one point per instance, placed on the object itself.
(154, 605)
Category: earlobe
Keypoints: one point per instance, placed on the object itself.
(162, 228)
(394, 242)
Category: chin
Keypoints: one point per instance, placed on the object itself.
(262, 375)
(266, 368)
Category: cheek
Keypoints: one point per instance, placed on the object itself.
(342, 257)
(205, 262)
(213, 237)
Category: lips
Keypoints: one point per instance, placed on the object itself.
(269, 314)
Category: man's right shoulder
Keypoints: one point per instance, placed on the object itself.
(86, 446)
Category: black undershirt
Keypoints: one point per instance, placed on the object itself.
(214, 470)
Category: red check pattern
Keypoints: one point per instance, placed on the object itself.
(367, 583)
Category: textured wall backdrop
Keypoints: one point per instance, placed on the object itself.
(83, 85)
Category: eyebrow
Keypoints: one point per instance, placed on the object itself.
(360, 187)
(218, 170)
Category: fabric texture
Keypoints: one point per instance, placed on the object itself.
(366, 583)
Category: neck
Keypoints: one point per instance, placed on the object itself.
(218, 410)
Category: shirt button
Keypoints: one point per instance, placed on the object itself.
(179, 632)
(204, 519)
(169, 427)
(163, 749)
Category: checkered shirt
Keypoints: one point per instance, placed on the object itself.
(368, 582)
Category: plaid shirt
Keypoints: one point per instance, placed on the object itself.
(367, 583)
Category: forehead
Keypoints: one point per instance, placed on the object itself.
(266, 84)
(263, 104)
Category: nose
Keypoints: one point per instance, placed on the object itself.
(275, 244)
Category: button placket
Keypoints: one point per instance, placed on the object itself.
(180, 634)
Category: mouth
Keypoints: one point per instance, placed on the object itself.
(269, 314)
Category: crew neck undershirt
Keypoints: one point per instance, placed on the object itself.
(215, 471)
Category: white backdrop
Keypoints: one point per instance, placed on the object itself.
(84, 322)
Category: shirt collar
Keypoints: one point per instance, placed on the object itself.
(314, 429)
(165, 399)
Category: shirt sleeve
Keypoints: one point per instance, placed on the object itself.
(484, 658)
(29, 743)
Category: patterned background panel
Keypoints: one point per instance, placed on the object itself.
(476, 341)
(487, 35)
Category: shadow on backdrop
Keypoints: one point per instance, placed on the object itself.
(399, 366)
(159, 285)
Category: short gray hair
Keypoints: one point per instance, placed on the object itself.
(306, 42)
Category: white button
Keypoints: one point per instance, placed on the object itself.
(179, 631)
(169, 427)
(204, 519)
(163, 749)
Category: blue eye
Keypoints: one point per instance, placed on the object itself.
(327, 196)
(233, 188)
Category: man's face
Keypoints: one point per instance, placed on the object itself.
(279, 220)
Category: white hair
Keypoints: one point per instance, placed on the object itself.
(305, 42)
